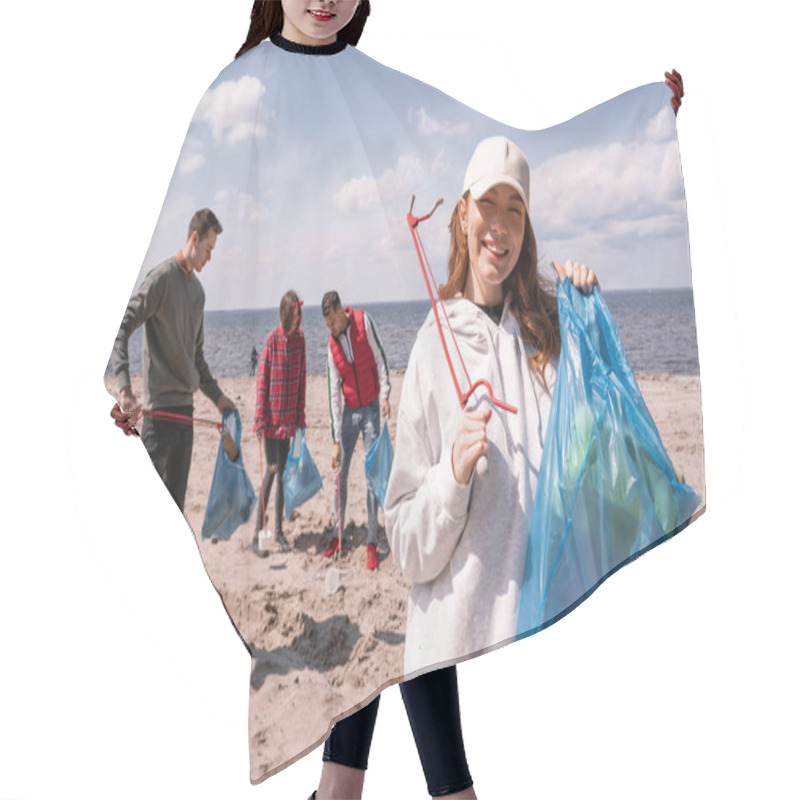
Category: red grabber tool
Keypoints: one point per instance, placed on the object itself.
(463, 397)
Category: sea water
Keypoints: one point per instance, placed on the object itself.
(657, 327)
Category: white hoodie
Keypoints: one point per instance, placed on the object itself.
(463, 547)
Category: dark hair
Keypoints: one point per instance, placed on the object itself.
(330, 302)
(532, 302)
(266, 19)
(287, 307)
(203, 221)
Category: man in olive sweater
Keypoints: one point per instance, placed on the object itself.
(170, 304)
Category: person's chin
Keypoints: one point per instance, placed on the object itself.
(494, 275)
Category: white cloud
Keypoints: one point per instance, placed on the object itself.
(365, 193)
(402, 180)
(429, 126)
(191, 162)
(358, 194)
(661, 127)
(191, 157)
(621, 189)
(241, 206)
(439, 168)
(228, 109)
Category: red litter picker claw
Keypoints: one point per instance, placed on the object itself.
(430, 284)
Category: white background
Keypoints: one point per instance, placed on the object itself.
(120, 675)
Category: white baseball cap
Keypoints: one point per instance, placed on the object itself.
(498, 160)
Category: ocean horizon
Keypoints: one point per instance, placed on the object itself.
(657, 327)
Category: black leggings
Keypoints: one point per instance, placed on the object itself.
(431, 702)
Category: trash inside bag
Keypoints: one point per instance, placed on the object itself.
(301, 478)
(607, 490)
(232, 498)
(378, 464)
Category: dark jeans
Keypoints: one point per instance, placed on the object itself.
(169, 445)
(432, 706)
(276, 452)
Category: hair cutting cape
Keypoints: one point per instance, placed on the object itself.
(309, 160)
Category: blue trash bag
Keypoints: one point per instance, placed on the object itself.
(378, 464)
(231, 500)
(301, 478)
(607, 490)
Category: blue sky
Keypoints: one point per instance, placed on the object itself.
(310, 163)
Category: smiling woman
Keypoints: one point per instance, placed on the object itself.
(461, 545)
(495, 228)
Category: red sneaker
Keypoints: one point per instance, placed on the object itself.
(333, 547)
(372, 557)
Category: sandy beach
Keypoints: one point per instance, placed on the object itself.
(343, 646)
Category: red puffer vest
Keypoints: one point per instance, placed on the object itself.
(360, 379)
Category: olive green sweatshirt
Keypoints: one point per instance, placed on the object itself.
(169, 303)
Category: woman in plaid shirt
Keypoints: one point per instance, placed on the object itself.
(280, 406)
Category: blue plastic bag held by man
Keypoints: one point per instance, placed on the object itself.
(607, 490)
(301, 478)
(232, 497)
(378, 463)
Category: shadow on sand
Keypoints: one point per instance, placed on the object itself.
(321, 646)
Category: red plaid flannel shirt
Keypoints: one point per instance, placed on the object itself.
(281, 385)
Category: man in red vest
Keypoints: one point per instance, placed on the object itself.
(358, 396)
